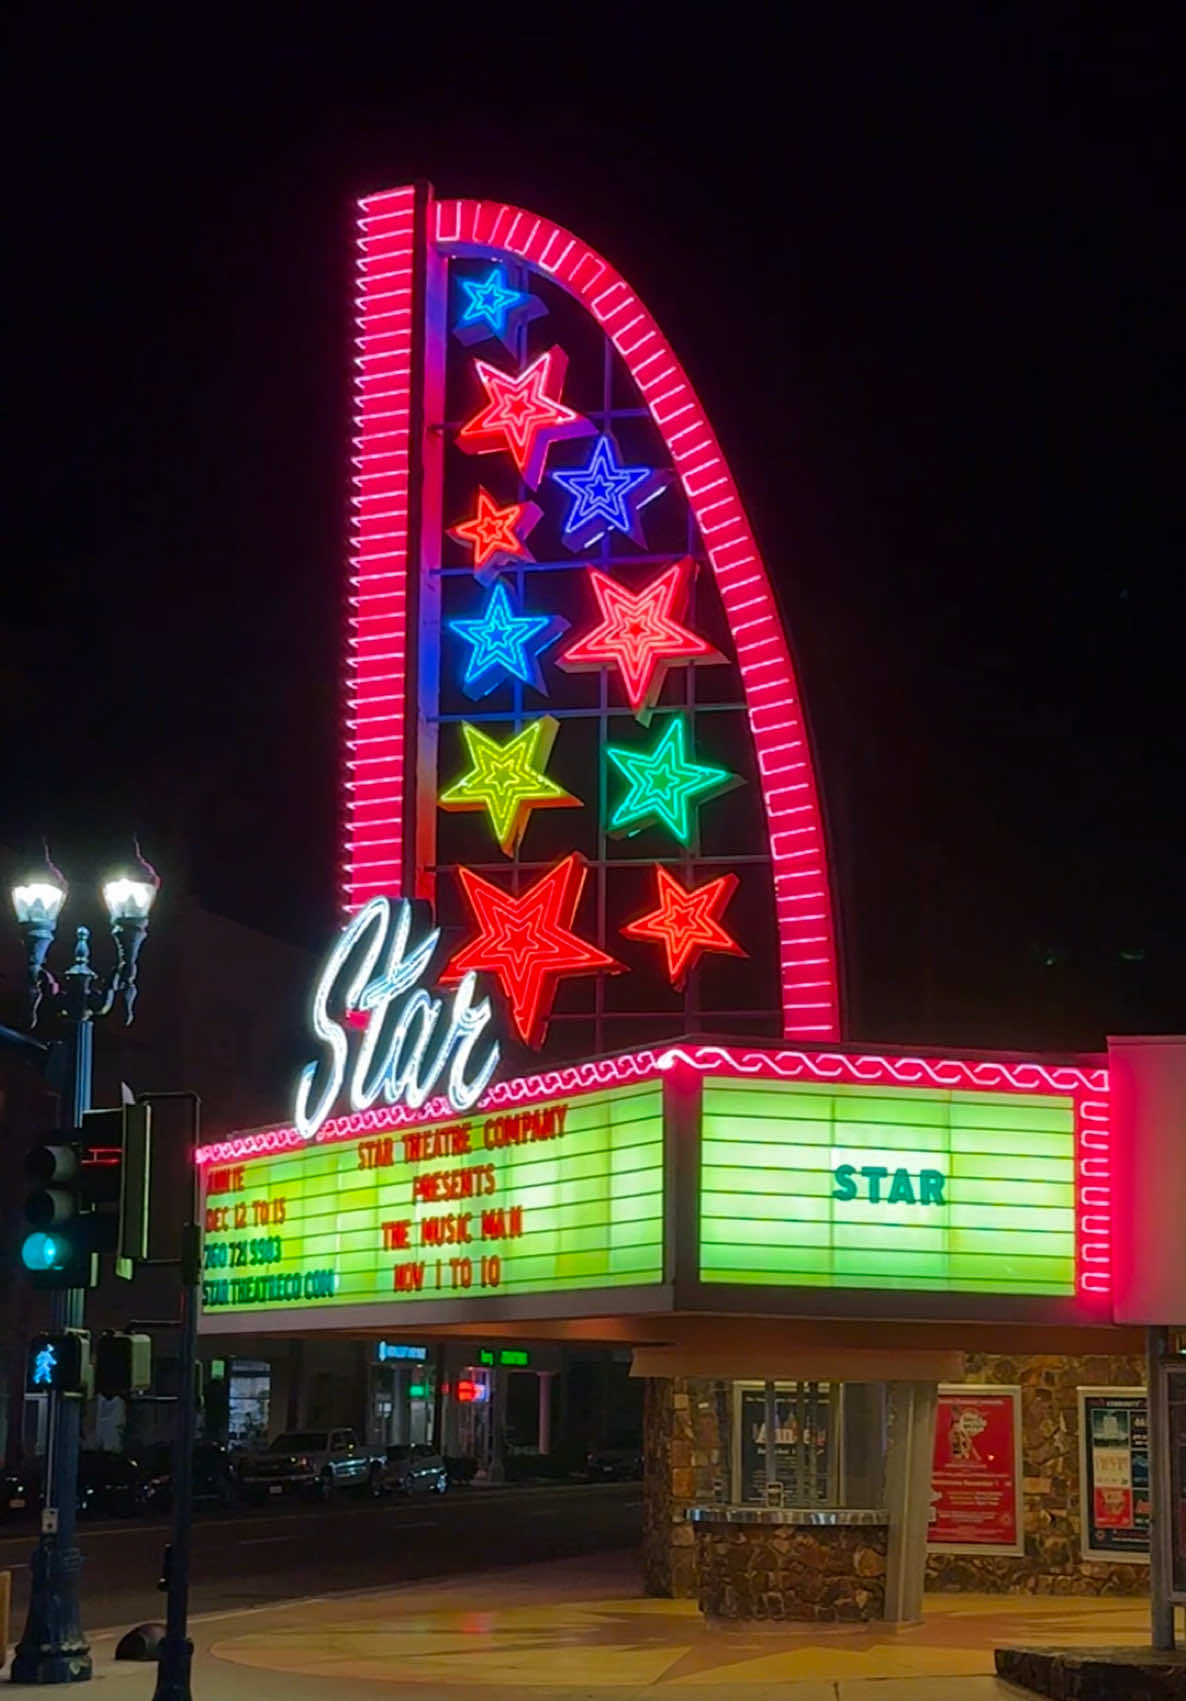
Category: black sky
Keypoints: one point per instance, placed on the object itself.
(923, 274)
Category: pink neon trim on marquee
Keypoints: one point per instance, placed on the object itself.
(1087, 1087)
(375, 740)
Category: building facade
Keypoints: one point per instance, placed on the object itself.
(576, 1069)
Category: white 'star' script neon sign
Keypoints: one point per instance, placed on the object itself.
(400, 1054)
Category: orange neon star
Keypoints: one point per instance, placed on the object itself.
(496, 534)
(640, 633)
(524, 414)
(686, 923)
(527, 942)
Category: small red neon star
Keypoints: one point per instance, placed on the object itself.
(496, 534)
(686, 922)
(527, 942)
(524, 414)
(639, 632)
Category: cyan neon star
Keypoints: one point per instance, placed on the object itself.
(504, 643)
(665, 782)
(605, 494)
(493, 308)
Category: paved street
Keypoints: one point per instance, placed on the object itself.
(249, 1558)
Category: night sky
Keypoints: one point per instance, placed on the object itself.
(923, 279)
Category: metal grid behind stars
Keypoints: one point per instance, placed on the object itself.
(655, 1011)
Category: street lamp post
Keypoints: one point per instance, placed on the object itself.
(53, 1648)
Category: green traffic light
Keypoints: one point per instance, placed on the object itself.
(43, 1252)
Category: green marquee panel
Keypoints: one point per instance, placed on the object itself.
(564, 1196)
(851, 1187)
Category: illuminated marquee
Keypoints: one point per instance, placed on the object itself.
(555, 1197)
(817, 1184)
(934, 1177)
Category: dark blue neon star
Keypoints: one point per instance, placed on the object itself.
(493, 308)
(606, 494)
(503, 643)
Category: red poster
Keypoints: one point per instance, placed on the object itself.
(974, 1499)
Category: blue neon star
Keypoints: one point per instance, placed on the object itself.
(600, 490)
(493, 308)
(505, 643)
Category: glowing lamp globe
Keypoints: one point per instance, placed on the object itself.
(129, 897)
(39, 900)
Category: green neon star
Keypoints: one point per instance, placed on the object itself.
(508, 780)
(665, 783)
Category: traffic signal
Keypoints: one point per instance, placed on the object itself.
(116, 1164)
(90, 1195)
(59, 1364)
(58, 1253)
(123, 1364)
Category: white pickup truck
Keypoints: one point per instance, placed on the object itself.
(313, 1462)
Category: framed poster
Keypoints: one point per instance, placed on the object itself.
(805, 1442)
(976, 1474)
(1114, 1474)
(1176, 1391)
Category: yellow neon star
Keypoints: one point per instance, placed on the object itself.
(508, 780)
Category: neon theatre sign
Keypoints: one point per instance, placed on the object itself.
(400, 1054)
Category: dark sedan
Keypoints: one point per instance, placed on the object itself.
(619, 1461)
(214, 1479)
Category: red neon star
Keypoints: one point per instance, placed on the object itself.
(527, 942)
(686, 922)
(524, 414)
(640, 633)
(496, 534)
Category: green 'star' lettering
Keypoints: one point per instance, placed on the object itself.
(902, 1190)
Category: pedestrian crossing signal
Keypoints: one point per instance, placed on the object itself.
(59, 1364)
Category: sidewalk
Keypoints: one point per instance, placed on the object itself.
(583, 1629)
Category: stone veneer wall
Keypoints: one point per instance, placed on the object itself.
(683, 1459)
(1052, 1563)
(834, 1573)
(684, 1425)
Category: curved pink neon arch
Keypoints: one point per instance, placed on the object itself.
(802, 896)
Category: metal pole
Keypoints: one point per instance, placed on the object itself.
(1161, 1607)
(177, 1650)
(771, 1427)
(52, 1648)
(498, 1424)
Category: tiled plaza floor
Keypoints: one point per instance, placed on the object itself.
(582, 1628)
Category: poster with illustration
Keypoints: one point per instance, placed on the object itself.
(1114, 1464)
(976, 1473)
(802, 1440)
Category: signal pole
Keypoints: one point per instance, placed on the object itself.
(52, 1647)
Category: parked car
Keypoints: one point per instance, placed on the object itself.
(620, 1460)
(111, 1484)
(312, 1462)
(414, 1468)
(215, 1480)
(462, 1468)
